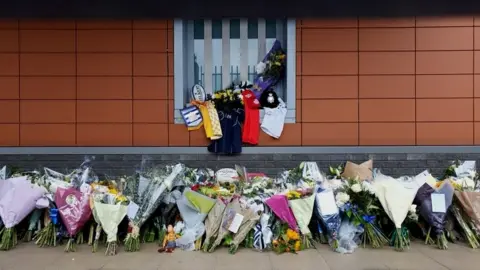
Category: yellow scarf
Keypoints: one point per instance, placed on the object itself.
(211, 123)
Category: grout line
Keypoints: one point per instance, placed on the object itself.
(131, 82)
(358, 81)
(415, 77)
(76, 83)
(19, 85)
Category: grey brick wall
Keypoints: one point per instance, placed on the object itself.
(271, 164)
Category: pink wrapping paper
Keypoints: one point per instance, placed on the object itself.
(18, 197)
(279, 206)
(74, 208)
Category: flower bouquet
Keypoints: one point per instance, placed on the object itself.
(348, 236)
(357, 200)
(213, 223)
(159, 181)
(249, 215)
(109, 210)
(18, 197)
(286, 239)
(328, 212)
(433, 204)
(271, 70)
(279, 206)
(194, 208)
(306, 175)
(301, 202)
(74, 208)
(396, 197)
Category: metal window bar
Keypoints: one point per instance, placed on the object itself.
(212, 76)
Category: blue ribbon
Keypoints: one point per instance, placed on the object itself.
(368, 219)
(54, 215)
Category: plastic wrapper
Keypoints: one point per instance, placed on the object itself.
(18, 198)
(263, 82)
(194, 208)
(470, 203)
(110, 216)
(328, 212)
(54, 180)
(250, 217)
(302, 210)
(231, 209)
(3, 173)
(348, 237)
(279, 206)
(74, 208)
(213, 222)
(424, 203)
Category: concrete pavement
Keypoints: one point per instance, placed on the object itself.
(27, 257)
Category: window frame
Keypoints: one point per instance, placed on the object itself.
(180, 70)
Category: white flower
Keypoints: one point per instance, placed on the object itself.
(340, 204)
(366, 186)
(413, 208)
(467, 183)
(335, 183)
(341, 198)
(356, 188)
(260, 68)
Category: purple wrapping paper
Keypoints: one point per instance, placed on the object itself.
(18, 197)
(261, 84)
(279, 206)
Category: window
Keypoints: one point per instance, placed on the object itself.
(215, 53)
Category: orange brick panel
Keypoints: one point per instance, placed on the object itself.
(387, 39)
(150, 40)
(9, 40)
(345, 39)
(445, 110)
(105, 24)
(9, 88)
(444, 62)
(387, 133)
(386, 63)
(104, 134)
(387, 110)
(9, 64)
(9, 111)
(150, 111)
(178, 135)
(445, 133)
(476, 84)
(387, 86)
(8, 24)
(149, 64)
(104, 41)
(10, 135)
(47, 87)
(150, 24)
(447, 21)
(476, 106)
(444, 38)
(150, 87)
(47, 134)
(329, 23)
(329, 134)
(47, 64)
(444, 86)
(150, 134)
(47, 111)
(329, 63)
(476, 36)
(107, 64)
(318, 87)
(47, 41)
(387, 22)
(321, 110)
(46, 25)
(104, 111)
(104, 88)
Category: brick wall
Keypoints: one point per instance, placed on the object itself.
(359, 82)
(394, 164)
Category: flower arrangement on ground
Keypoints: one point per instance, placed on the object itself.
(286, 239)
(396, 197)
(358, 202)
(301, 202)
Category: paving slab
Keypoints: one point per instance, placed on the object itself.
(27, 256)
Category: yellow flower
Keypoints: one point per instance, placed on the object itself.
(292, 194)
(292, 235)
(297, 245)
